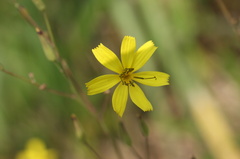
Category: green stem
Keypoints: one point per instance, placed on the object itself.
(45, 17)
(91, 148)
(87, 103)
(50, 33)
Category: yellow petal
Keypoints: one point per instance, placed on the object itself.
(119, 99)
(152, 78)
(107, 58)
(102, 83)
(143, 54)
(128, 48)
(138, 98)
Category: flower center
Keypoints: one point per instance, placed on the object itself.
(126, 77)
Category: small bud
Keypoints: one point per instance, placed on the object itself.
(31, 77)
(78, 130)
(47, 46)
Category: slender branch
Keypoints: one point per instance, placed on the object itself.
(49, 30)
(68, 73)
(147, 147)
(42, 87)
(136, 153)
(116, 148)
(232, 21)
(81, 137)
(45, 17)
(26, 15)
(225, 12)
(145, 133)
(91, 148)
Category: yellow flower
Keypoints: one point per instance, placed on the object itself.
(35, 149)
(131, 61)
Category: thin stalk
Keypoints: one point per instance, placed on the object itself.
(92, 149)
(68, 73)
(116, 148)
(136, 153)
(42, 87)
(50, 33)
(147, 147)
(226, 13)
(80, 135)
(107, 133)
(49, 30)
(230, 19)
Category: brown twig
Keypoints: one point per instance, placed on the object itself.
(147, 147)
(225, 12)
(232, 21)
(42, 87)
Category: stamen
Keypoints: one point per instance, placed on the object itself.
(125, 77)
(154, 77)
(126, 72)
(132, 83)
(122, 80)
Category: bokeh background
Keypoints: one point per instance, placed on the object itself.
(196, 116)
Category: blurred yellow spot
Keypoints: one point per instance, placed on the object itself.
(36, 149)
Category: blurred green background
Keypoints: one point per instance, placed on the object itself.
(197, 115)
